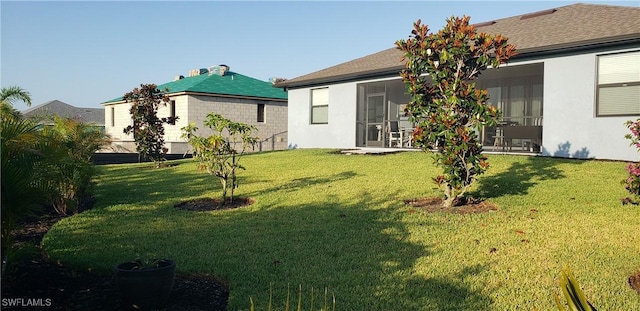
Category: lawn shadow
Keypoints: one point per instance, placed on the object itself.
(303, 182)
(523, 174)
(360, 248)
(360, 251)
(450, 293)
(149, 185)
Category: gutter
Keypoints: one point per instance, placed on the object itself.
(115, 102)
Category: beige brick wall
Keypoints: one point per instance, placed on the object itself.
(274, 129)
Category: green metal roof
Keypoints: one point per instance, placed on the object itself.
(231, 84)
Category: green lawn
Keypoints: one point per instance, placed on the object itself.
(323, 219)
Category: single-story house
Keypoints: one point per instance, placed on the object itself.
(213, 89)
(44, 113)
(568, 92)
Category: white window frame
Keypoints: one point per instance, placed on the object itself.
(319, 106)
(618, 84)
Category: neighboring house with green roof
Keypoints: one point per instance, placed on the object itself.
(214, 89)
(567, 93)
(44, 113)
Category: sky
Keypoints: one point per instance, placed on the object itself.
(85, 53)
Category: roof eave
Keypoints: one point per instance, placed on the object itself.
(578, 46)
(230, 96)
(378, 73)
(523, 53)
(180, 93)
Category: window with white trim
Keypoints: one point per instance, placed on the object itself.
(320, 106)
(618, 92)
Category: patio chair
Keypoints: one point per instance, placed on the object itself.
(394, 134)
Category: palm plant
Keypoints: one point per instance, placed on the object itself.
(68, 169)
(21, 146)
(8, 96)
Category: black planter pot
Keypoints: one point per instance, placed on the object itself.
(145, 289)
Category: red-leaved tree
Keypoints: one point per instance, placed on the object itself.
(446, 106)
(147, 128)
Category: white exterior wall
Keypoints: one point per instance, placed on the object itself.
(339, 132)
(571, 128)
(116, 118)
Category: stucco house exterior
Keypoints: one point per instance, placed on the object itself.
(213, 89)
(568, 92)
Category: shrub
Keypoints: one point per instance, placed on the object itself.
(22, 193)
(68, 170)
(220, 153)
(147, 128)
(632, 182)
(446, 106)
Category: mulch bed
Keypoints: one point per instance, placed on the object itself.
(634, 282)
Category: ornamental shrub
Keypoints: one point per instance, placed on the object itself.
(446, 106)
(147, 128)
(632, 182)
(219, 154)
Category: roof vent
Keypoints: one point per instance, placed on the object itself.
(194, 72)
(536, 14)
(220, 70)
(484, 24)
(275, 80)
(176, 78)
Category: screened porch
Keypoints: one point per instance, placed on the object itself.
(517, 91)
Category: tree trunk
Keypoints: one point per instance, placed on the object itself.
(223, 182)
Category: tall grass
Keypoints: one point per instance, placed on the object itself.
(323, 219)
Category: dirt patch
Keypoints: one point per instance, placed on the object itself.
(634, 282)
(213, 204)
(434, 205)
(63, 288)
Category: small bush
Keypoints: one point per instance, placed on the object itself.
(632, 183)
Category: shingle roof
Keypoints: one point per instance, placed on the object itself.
(231, 84)
(561, 29)
(62, 109)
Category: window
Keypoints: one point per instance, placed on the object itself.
(113, 117)
(172, 112)
(260, 113)
(320, 106)
(618, 92)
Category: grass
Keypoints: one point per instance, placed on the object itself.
(328, 220)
